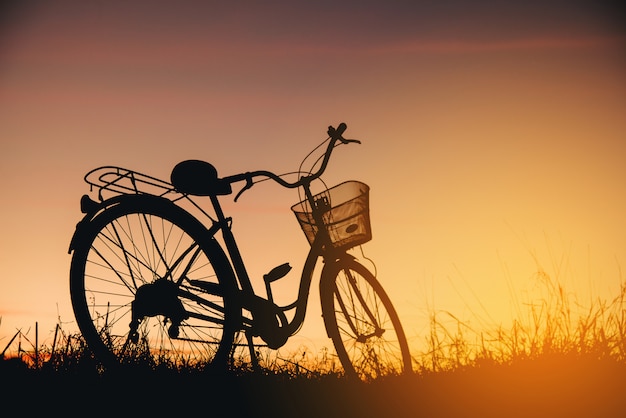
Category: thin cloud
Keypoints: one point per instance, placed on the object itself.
(463, 46)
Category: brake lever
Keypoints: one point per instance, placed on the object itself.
(249, 184)
(347, 141)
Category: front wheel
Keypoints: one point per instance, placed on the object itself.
(362, 323)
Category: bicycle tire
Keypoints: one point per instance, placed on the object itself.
(131, 244)
(362, 322)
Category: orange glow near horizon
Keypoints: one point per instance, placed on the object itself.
(492, 152)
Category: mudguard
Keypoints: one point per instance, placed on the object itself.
(93, 209)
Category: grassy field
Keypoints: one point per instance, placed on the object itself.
(560, 360)
(557, 386)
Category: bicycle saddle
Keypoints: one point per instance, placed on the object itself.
(198, 178)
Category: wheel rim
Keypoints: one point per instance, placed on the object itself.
(127, 256)
(369, 339)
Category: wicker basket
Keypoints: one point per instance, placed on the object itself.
(345, 214)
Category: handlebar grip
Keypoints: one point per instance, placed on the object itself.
(341, 128)
(336, 133)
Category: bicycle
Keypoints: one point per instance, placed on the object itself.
(150, 280)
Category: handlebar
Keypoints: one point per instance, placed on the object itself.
(335, 134)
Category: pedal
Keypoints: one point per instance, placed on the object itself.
(276, 273)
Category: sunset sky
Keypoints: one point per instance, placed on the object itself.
(493, 137)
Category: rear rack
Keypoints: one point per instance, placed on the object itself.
(117, 180)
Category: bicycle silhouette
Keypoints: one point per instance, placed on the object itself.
(149, 280)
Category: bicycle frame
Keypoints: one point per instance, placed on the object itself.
(249, 299)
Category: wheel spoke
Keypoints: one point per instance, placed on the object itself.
(342, 310)
(122, 311)
(364, 304)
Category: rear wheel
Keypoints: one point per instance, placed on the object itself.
(362, 323)
(148, 283)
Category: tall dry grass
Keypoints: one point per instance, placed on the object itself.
(556, 323)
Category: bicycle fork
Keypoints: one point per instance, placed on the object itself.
(348, 304)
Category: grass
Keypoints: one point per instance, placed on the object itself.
(560, 358)
(554, 325)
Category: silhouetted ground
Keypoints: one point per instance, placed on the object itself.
(550, 387)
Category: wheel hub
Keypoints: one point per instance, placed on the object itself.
(158, 298)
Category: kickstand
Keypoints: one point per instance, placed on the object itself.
(253, 357)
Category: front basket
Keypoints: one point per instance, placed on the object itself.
(345, 214)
